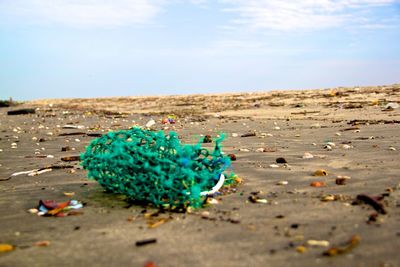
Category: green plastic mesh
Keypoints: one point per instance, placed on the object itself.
(154, 168)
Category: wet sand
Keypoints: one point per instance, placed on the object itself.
(234, 232)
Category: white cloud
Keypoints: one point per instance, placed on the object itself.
(88, 13)
(302, 15)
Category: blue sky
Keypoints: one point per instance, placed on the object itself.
(95, 48)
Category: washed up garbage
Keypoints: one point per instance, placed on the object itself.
(156, 169)
(391, 106)
(170, 119)
(70, 126)
(150, 123)
(52, 208)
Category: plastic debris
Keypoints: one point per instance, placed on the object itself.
(392, 148)
(69, 194)
(274, 166)
(52, 208)
(150, 123)
(320, 172)
(352, 243)
(172, 175)
(235, 135)
(149, 264)
(170, 119)
(391, 106)
(232, 157)
(69, 126)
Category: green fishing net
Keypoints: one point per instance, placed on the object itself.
(155, 168)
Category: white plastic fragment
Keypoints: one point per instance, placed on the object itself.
(150, 123)
(235, 135)
(347, 146)
(216, 187)
(391, 105)
(308, 155)
(69, 126)
(274, 166)
(392, 148)
(34, 173)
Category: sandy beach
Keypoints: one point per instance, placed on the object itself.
(335, 202)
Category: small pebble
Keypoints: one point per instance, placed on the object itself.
(281, 160)
(318, 243)
(346, 147)
(301, 249)
(320, 172)
(308, 155)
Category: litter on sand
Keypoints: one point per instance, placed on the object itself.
(52, 208)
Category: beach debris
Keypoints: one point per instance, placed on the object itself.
(22, 111)
(347, 247)
(244, 150)
(341, 179)
(392, 148)
(71, 158)
(320, 172)
(373, 201)
(317, 184)
(170, 119)
(281, 160)
(248, 134)
(391, 106)
(308, 155)
(346, 146)
(274, 166)
(150, 123)
(235, 134)
(317, 243)
(207, 139)
(146, 242)
(52, 208)
(70, 126)
(44, 243)
(282, 183)
(29, 173)
(6, 248)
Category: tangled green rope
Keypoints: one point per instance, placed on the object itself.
(154, 168)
